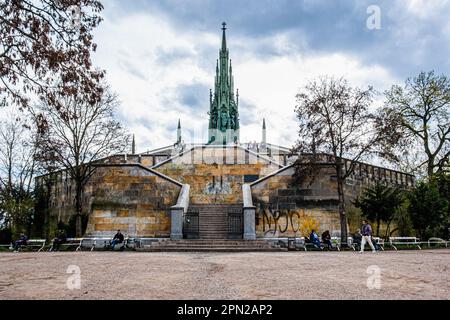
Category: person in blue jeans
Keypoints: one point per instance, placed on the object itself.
(21, 242)
(326, 239)
(314, 238)
(118, 238)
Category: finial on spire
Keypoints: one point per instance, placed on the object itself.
(224, 37)
(179, 132)
(264, 134)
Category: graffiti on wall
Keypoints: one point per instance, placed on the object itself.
(286, 221)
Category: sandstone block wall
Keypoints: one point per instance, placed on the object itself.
(216, 175)
(281, 209)
(131, 199)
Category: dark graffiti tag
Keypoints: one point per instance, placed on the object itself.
(282, 221)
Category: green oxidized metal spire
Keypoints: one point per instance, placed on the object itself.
(224, 37)
(224, 115)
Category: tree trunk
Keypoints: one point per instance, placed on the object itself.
(78, 209)
(378, 226)
(430, 167)
(342, 213)
(387, 229)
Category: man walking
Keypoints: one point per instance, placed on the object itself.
(366, 231)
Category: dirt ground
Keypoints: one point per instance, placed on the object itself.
(285, 275)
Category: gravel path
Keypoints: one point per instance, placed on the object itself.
(285, 275)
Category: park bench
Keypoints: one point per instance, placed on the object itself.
(34, 243)
(93, 243)
(407, 241)
(379, 241)
(70, 242)
(437, 241)
(336, 241)
(375, 240)
(303, 243)
(104, 243)
(7, 246)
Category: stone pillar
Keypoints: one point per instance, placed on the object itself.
(177, 213)
(176, 223)
(249, 223)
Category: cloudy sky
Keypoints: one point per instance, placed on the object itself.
(160, 57)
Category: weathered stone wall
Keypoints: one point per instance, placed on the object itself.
(132, 199)
(144, 159)
(281, 208)
(216, 175)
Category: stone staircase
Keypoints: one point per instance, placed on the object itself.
(213, 234)
(211, 245)
(213, 219)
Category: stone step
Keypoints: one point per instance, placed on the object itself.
(214, 242)
(209, 245)
(210, 249)
(216, 245)
(215, 206)
(213, 219)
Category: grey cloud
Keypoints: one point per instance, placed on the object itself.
(248, 113)
(128, 66)
(164, 56)
(319, 26)
(194, 96)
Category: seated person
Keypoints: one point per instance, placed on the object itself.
(21, 242)
(118, 238)
(314, 238)
(60, 239)
(326, 239)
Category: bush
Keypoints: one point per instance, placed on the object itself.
(428, 210)
(403, 222)
(354, 218)
(307, 224)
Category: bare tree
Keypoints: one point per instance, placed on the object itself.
(423, 109)
(46, 45)
(335, 120)
(17, 169)
(76, 134)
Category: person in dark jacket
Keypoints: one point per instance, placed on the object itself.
(60, 239)
(118, 238)
(326, 239)
(366, 231)
(314, 238)
(21, 242)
